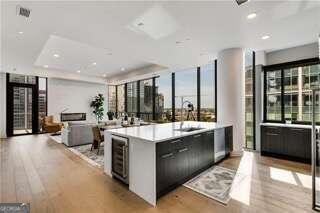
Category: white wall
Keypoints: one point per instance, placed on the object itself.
(293, 54)
(2, 105)
(230, 94)
(75, 95)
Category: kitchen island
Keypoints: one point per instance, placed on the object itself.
(159, 157)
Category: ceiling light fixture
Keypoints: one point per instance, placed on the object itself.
(104, 75)
(56, 55)
(45, 66)
(123, 69)
(251, 16)
(78, 71)
(265, 37)
(20, 32)
(94, 63)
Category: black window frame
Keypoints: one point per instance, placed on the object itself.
(198, 73)
(35, 104)
(281, 67)
(253, 102)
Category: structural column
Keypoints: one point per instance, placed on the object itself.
(231, 94)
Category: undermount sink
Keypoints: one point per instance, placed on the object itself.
(188, 129)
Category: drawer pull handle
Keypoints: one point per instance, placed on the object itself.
(272, 134)
(183, 150)
(167, 155)
(176, 141)
(297, 130)
(196, 136)
(269, 127)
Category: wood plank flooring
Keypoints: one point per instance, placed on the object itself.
(37, 170)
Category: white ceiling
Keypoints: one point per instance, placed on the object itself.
(86, 32)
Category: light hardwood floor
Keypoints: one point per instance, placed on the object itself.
(37, 170)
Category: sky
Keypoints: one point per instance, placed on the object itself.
(186, 85)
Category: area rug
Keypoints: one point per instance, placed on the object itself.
(91, 157)
(216, 183)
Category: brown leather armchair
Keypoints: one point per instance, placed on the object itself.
(49, 126)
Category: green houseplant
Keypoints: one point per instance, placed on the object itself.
(97, 105)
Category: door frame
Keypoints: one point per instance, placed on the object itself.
(35, 111)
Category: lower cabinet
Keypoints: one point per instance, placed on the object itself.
(181, 159)
(297, 142)
(272, 140)
(286, 142)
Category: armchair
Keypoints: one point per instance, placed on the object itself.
(51, 127)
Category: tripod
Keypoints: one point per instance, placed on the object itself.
(190, 114)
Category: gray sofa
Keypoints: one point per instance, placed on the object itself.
(77, 133)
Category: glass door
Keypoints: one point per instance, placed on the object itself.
(315, 151)
(22, 110)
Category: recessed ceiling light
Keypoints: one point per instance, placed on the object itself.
(251, 16)
(104, 75)
(56, 55)
(45, 66)
(78, 71)
(94, 63)
(265, 37)
(20, 32)
(123, 69)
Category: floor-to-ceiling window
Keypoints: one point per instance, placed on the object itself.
(120, 99)
(26, 104)
(112, 99)
(163, 105)
(132, 97)
(273, 95)
(288, 91)
(42, 101)
(146, 99)
(249, 100)
(186, 94)
(207, 92)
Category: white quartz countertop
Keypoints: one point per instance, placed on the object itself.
(289, 125)
(162, 132)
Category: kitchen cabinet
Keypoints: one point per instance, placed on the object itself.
(286, 142)
(229, 139)
(272, 140)
(208, 148)
(181, 159)
(297, 142)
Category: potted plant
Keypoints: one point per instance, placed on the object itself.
(97, 105)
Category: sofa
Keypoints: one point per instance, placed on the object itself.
(77, 133)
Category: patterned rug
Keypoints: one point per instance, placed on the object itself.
(216, 183)
(91, 157)
(85, 153)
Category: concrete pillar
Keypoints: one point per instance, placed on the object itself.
(230, 94)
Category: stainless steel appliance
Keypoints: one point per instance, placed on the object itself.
(120, 158)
